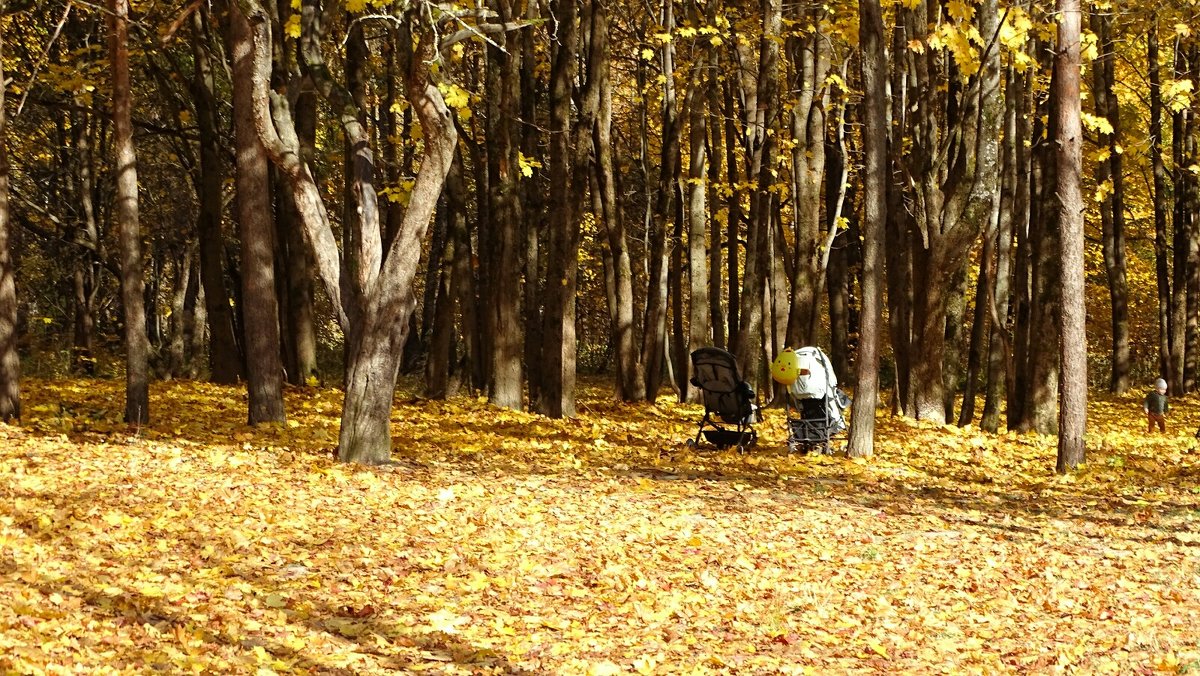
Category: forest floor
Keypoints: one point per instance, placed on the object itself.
(504, 542)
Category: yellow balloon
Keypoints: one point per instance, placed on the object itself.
(785, 368)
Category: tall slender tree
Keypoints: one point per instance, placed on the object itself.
(875, 187)
(256, 227)
(137, 344)
(1069, 158)
(10, 365)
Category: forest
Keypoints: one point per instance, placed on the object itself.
(353, 337)
(500, 197)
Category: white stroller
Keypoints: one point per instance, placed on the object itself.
(815, 405)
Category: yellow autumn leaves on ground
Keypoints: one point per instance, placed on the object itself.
(505, 542)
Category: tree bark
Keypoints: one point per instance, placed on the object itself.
(810, 56)
(1073, 403)
(1112, 211)
(137, 345)
(654, 326)
(507, 345)
(1010, 212)
(10, 363)
(699, 316)
(569, 147)
(631, 383)
(224, 357)
(380, 318)
(761, 122)
(875, 187)
(1158, 169)
(256, 228)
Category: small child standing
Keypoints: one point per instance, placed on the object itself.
(1155, 407)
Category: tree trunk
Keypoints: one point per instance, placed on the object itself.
(86, 275)
(810, 54)
(761, 125)
(137, 345)
(979, 328)
(256, 228)
(1073, 404)
(1040, 412)
(875, 186)
(733, 208)
(294, 262)
(1110, 172)
(716, 307)
(442, 339)
(999, 368)
(1180, 246)
(507, 345)
(631, 384)
(570, 147)
(699, 329)
(1158, 169)
(224, 358)
(10, 363)
(654, 327)
(382, 284)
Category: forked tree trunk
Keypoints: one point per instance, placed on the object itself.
(1073, 404)
(382, 281)
(137, 345)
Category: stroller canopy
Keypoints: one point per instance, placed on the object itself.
(817, 379)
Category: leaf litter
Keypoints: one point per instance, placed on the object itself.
(506, 542)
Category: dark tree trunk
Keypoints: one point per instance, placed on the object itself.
(294, 263)
(631, 384)
(87, 273)
(1158, 168)
(1110, 172)
(10, 364)
(507, 345)
(256, 228)
(762, 119)
(1073, 404)
(733, 208)
(716, 307)
(839, 264)
(137, 345)
(570, 148)
(1040, 411)
(224, 358)
(875, 187)
(952, 369)
(654, 327)
(979, 329)
(440, 362)
(1180, 246)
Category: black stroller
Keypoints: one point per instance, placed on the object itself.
(815, 405)
(727, 399)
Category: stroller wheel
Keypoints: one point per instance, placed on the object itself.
(690, 444)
